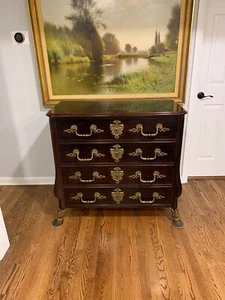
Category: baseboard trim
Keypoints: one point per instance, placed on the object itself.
(205, 177)
(27, 180)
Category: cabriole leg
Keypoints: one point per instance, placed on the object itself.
(176, 221)
(59, 219)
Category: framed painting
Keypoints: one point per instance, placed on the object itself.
(111, 49)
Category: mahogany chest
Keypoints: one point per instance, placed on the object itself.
(117, 154)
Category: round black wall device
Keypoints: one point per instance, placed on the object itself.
(19, 37)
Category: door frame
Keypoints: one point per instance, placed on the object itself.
(192, 85)
(4, 240)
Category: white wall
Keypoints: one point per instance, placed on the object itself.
(25, 143)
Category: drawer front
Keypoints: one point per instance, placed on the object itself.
(146, 175)
(117, 196)
(146, 128)
(117, 153)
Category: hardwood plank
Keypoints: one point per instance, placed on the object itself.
(114, 255)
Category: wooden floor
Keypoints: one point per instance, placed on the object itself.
(114, 255)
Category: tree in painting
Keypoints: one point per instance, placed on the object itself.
(171, 38)
(128, 48)
(112, 45)
(173, 28)
(86, 20)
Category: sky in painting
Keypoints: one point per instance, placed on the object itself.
(131, 21)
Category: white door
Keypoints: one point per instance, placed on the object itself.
(204, 153)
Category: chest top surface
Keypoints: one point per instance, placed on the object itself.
(116, 107)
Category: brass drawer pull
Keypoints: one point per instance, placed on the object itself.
(117, 152)
(76, 153)
(79, 196)
(156, 175)
(155, 196)
(159, 128)
(93, 129)
(157, 151)
(95, 175)
(116, 128)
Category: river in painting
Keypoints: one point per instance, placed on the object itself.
(90, 78)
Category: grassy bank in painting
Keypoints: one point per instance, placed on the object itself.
(62, 47)
(155, 75)
(159, 77)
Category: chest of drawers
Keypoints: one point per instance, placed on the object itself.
(117, 154)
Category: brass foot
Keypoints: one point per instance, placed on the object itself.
(176, 221)
(59, 220)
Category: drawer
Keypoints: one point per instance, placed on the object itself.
(117, 153)
(96, 197)
(141, 175)
(145, 128)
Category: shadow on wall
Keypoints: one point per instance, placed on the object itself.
(25, 148)
(29, 158)
(25, 142)
(9, 146)
(38, 162)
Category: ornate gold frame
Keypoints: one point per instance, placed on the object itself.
(181, 69)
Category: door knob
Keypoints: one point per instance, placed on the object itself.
(201, 95)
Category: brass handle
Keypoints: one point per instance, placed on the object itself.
(79, 196)
(116, 128)
(156, 175)
(93, 129)
(76, 153)
(157, 151)
(155, 196)
(95, 175)
(159, 128)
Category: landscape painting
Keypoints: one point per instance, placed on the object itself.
(109, 48)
